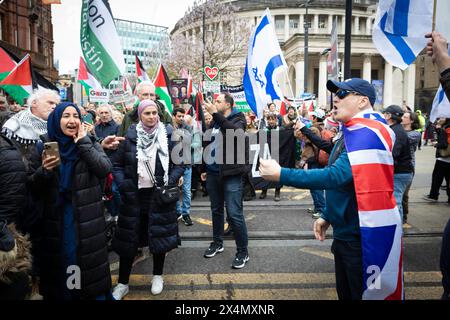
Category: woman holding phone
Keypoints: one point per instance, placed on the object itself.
(75, 256)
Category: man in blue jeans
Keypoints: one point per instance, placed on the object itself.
(224, 177)
(184, 130)
(403, 167)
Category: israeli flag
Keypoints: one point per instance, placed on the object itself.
(441, 105)
(264, 61)
(400, 28)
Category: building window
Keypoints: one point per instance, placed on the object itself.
(1, 26)
(30, 37)
(323, 21)
(279, 22)
(40, 46)
(374, 75)
(355, 73)
(293, 22)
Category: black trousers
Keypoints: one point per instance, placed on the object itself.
(127, 263)
(348, 269)
(445, 261)
(441, 171)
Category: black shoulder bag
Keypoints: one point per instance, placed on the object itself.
(164, 194)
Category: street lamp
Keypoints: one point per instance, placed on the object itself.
(204, 43)
(348, 38)
(306, 25)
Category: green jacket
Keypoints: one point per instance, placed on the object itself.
(133, 118)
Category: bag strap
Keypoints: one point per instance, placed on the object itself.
(150, 172)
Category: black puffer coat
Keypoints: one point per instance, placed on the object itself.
(92, 254)
(158, 227)
(13, 180)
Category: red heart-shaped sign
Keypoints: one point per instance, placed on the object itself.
(211, 73)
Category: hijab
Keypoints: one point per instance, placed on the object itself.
(144, 104)
(68, 150)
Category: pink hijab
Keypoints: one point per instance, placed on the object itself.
(144, 105)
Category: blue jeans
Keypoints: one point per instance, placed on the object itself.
(184, 206)
(113, 205)
(318, 200)
(227, 190)
(401, 182)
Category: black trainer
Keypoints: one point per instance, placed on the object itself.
(263, 194)
(187, 220)
(214, 248)
(240, 260)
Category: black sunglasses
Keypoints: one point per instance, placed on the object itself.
(342, 93)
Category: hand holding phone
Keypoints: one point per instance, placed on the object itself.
(50, 156)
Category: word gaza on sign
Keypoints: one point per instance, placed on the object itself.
(99, 95)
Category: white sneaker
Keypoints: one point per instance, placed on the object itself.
(157, 285)
(120, 291)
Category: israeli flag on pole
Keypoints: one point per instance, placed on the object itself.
(264, 61)
(441, 105)
(400, 28)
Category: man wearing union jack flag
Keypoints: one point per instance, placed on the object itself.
(367, 232)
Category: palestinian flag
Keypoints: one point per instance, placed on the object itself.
(140, 71)
(6, 64)
(126, 86)
(100, 42)
(162, 85)
(38, 80)
(190, 86)
(19, 83)
(199, 115)
(284, 106)
(86, 79)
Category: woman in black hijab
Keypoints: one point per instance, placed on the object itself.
(75, 256)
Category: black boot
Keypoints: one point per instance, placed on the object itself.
(277, 195)
(263, 194)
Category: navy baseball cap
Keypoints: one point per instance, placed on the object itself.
(361, 86)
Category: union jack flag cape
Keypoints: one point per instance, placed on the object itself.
(369, 142)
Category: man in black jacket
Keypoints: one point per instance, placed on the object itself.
(224, 176)
(403, 167)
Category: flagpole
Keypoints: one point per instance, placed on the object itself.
(434, 15)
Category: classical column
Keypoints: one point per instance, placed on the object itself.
(301, 28)
(286, 28)
(387, 96)
(299, 75)
(369, 26)
(409, 76)
(323, 77)
(356, 21)
(330, 23)
(316, 24)
(367, 68)
(194, 35)
(343, 24)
